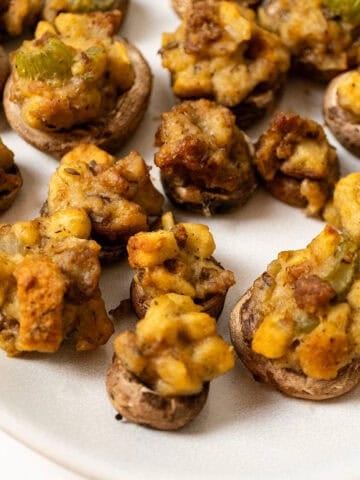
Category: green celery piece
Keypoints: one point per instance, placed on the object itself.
(52, 61)
(349, 10)
(342, 273)
(304, 323)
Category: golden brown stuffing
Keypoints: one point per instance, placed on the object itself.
(52, 8)
(203, 154)
(348, 94)
(221, 53)
(10, 177)
(49, 285)
(319, 40)
(33, 276)
(344, 210)
(175, 348)
(72, 72)
(178, 259)
(16, 15)
(297, 163)
(117, 194)
(310, 309)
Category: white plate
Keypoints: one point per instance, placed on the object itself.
(58, 405)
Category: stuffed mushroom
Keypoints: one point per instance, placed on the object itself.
(76, 83)
(10, 177)
(220, 53)
(296, 163)
(204, 158)
(342, 109)
(177, 259)
(49, 288)
(321, 35)
(298, 327)
(117, 195)
(160, 374)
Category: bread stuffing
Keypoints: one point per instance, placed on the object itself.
(117, 194)
(177, 259)
(220, 52)
(49, 288)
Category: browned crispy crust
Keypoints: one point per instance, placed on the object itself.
(109, 132)
(139, 404)
(141, 301)
(244, 320)
(122, 5)
(342, 124)
(4, 68)
(7, 198)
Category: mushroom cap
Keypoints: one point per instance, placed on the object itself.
(244, 321)
(109, 132)
(287, 189)
(206, 202)
(7, 198)
(141, 301)
(139, 404)
(4, 67)
(342, 123)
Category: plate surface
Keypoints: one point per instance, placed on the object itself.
(58, 404)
